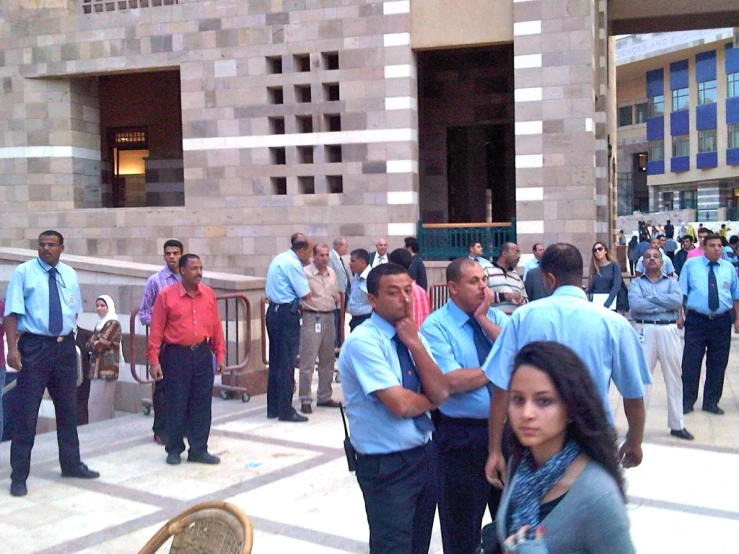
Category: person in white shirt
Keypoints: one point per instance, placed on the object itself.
(379, 256)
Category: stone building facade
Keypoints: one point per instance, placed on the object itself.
(294, 115)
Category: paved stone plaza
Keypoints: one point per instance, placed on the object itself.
(292, 481)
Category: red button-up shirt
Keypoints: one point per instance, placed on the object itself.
(178, 318)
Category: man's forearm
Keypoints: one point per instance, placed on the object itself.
(498, 409)
(11, 331)
(490, 329)
(635, 415)
(433, 381)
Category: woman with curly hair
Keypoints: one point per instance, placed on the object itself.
(565, 491)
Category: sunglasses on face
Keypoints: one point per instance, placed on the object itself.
(598, 249)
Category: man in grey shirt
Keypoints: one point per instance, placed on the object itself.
(655, 302)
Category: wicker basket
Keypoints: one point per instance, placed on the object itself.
(207, 528)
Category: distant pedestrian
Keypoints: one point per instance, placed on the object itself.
(632, 253)
(605, 275)
(359, 306)
(106, 356)
(538, 251)
(421, 300)
(417, 270)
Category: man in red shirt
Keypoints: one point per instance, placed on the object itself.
(185, 329)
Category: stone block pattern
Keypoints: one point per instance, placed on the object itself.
(348, 56)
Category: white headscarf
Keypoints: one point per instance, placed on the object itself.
(110, 316)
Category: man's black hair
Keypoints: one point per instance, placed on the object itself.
(473, 243)
(402, 257)
(184, 259)
(300, 244)
(564, 261)
(373, 279)
(362, 254)
(412, 243)
(711, 236)
(52, 233)
(173, 243)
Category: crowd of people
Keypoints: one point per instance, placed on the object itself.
(510, 377)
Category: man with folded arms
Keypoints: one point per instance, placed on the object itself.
(655, 302)
(184, 335)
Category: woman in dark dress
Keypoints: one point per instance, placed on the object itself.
(605, 275)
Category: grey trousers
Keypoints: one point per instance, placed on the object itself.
(321, 345)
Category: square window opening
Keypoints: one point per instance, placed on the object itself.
(274, 64)
(332, 122)
(276, 95)
(277, 155)
(305, 154)
(641, 112)
(333, 153)
(625, 116)
(302, 93)
(279, 185)
(331, 92)
(330, 60)
(301, 62)
(277, 125)
(305, 123)
(307, 185)
(335, 184)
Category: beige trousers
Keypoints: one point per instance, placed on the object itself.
(662, 343)
(321, 345)
(101, 405)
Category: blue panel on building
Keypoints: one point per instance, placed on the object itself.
(680, 164)
(655, 82)
(706, 160)
(732, 59)
(732, 156)
(732, 110)
(655, 128)
(680, 123)
(705, 116)
(656, 168)
(679, 75)
(705, 66)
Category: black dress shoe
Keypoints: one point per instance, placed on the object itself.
(294, 417)
(328, 404)
(81, 472)
(682, 434)
(713, 410)
(305, 408)
(204, 458)
(687, 409)
(173, 459)
(18, 488)
(271, 416)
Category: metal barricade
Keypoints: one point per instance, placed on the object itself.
(450, 240)
(237, 358)
(439, 294)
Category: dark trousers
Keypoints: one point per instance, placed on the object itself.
(188, 376)
(711, 337)
(400, 493)
(159, 400)
(47, 364)
(464, 492)
(357, 320)
(10, 407)
(632, 267)
(283, 329)
(83, 399)
(337, 325)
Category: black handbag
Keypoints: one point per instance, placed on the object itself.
(489, 541)
(622, 299)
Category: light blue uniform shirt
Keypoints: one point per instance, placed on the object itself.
(453, 346)
(358, 301)
(28, 297)
(369, 363)
(694, 284)
(603, 339)
(531, 264)
(286, 279)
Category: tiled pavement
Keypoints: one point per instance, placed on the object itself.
(292, 480)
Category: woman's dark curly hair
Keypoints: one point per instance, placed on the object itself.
(588, 425)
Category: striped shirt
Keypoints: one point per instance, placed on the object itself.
(421, 304)
(502, 281)
(159, 281)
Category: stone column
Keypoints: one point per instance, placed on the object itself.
(562, 192)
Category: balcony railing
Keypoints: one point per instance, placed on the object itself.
(450, 240)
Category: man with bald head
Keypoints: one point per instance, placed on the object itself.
(379, 256)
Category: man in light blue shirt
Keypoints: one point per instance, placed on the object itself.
(390, 382)
(603, 339)
(359, 306)
(286, 286)
(711, 300)
(41, 307)
(474, 252)
(460, 335)
(535, 261)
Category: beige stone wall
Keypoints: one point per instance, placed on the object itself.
(445, 24)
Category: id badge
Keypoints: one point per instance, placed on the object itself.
(301, 321)
(641, 334)
(318, 328)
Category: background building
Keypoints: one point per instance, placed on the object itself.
(678, 117)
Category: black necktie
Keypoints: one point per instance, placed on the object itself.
(482, 343)
(411, 381)
(712, 288)
(55, 305)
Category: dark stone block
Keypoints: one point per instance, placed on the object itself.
(209, 25)
(161, 44)
(374, 167)
(279, 18)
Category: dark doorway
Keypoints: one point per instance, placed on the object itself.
(639, 180)
(466, 135)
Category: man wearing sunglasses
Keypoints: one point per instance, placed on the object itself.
(41, 307)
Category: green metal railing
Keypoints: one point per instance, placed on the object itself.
(450, 240)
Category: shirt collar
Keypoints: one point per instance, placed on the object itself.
(183, 291)
(570, 290)
(384, 326)
(169, 274)
(456, 313)
(313, 270)
(366, 272)
(46, 267)
(661, 276)
(706, 261)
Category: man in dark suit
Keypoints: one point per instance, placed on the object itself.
(379, 256)
(417, 269)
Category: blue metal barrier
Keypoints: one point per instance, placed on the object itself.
(450, 240)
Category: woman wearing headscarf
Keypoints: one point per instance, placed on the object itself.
(104, 347)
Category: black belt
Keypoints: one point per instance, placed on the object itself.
(50, 337)
(277, 305)
(656, 322)
(317, 312)
(710, 316)
(415, 451)
(466, 421)
(191, 347)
